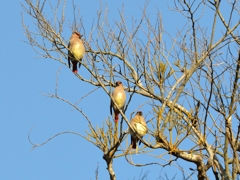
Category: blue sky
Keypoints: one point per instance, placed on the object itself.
(24, 78)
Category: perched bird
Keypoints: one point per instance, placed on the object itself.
(76, 51)
(140, 126)
(119, 96)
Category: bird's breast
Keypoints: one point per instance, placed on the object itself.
(78, 51)
(120, 99)
(141, 129)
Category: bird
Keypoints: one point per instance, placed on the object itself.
(119, 96)
(139, 125)
(76, 51)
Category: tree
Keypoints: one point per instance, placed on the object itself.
(191, 79)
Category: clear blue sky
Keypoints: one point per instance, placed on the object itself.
(23, 79)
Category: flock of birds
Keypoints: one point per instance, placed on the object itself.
(75, 54)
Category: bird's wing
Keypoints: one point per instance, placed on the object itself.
(69, 54)
(111, 107)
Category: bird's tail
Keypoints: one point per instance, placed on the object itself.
(133, 143)
(116, 117)
(74, 70)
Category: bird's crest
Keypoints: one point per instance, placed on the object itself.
(118, 83)
(140, 113)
